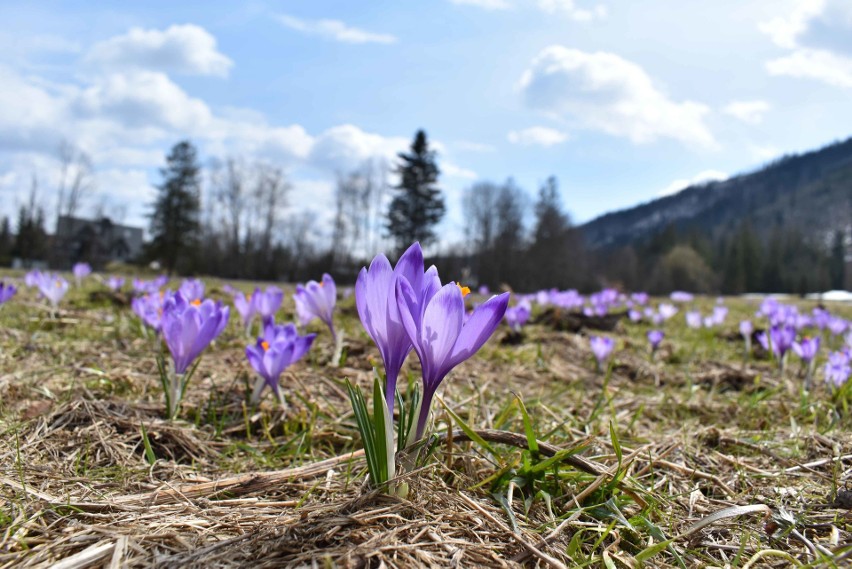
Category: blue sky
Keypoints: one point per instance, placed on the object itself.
(621, 100)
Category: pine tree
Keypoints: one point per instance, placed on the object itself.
(555, 256)
(175, 217)
(418, 205)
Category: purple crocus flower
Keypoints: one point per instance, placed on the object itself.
(719, 314)
(640, 298)
(115, 283)
(246, 306)
(821, 316)
(807, 349)
(801, 321)
(782, 338)
(693, 319)
(667, 310)
(837, 325)
(317, 300)
(189, 326)
(149, 308)
(778, 341)
(653, 316)
(837, 369)
(81, 271)
(53, 288)
(275, 351)
(634, 315)
(483, 290)
(192, 289)
(435, 324)
(7, 291)
(602, 348)
(269, 301)
(517, 316)
(681, 296)
(654, 338)
(33, 278)
(375, 299)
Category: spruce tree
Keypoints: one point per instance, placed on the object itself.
(175, 215)
(418, 204)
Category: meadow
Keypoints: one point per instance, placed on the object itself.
(694, 455)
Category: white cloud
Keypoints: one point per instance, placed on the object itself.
(784, 31)
(29, 114)
(127, 121)
(537, 136)
(143, 98)
(807, 58)
(485, 4)
(334, 30)
(452, 170)
(750, 112)
(347, 146)
(569, 8)
(818, 64)
(180, 48)
(701, 178)
(602, 91)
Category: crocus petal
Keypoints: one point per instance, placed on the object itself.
(301, 345)
(442, 323)
(407, 302)
(410, 266)
(371, 300)
(254, 354)
(479, 327)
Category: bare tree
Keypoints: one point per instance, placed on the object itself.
(271, 188)
(479, 204)
(228, 181)
(76, 178)
(297, 231)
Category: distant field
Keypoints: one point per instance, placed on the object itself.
(91, 471)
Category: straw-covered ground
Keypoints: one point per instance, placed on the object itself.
(694, 459)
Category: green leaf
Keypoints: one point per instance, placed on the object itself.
(150, 457)
(507, 507)
(652, 550)
(376, 432)
(613, 436)
(532, 443)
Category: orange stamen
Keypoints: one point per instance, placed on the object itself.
(196, 302)
(464, 290)
(265, 345)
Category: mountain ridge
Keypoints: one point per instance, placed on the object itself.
(811, 191)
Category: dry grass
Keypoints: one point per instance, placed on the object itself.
(722, 463)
